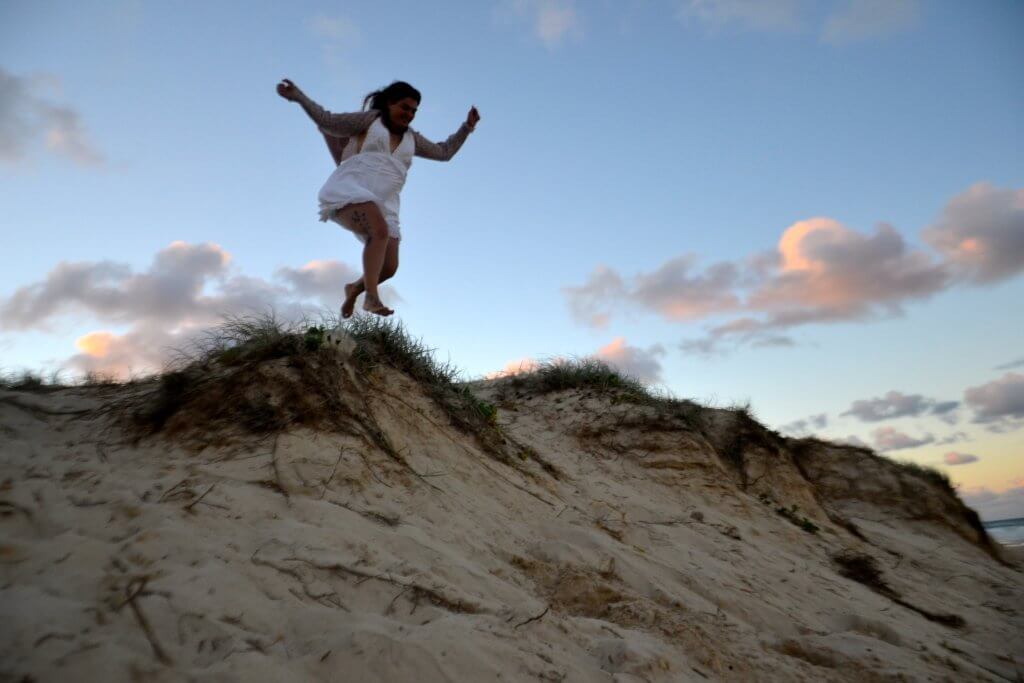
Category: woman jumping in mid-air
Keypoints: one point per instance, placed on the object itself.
(373, 149)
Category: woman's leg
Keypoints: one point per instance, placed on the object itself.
(354, 289)
(366, 219)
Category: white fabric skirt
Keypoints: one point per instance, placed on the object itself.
(367, 177)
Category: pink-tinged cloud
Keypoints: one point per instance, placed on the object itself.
(642, 364)
(953, 458)
(514, 367)
(821, 271)
(141, 351)
(890, 439)
(679, 293)
(981, 233)
(1000, 402)
(832, 270)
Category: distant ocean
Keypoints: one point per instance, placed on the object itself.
(1007, 531)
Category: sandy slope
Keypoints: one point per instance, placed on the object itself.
(616, 545)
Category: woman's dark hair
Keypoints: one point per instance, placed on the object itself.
(380, 99)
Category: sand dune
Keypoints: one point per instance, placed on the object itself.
(344, 524)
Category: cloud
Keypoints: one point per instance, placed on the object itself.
(337, 29)
(889, 439)
(895, 404)
(170, 290)
(186, 288)
(955, 437)
(319, 278)
(1011, 365)
(999, 403)
(992, 505)
(678, 294)
(29, 116)
(829, 272)
(981, 233)
(764, 15)
(515, 367)
(820, 272)
(642, 364)
(952, 458)
(551, 21)
(806, 426)
(859, 20)
(141, 350)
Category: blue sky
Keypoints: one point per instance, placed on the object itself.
(644, 173)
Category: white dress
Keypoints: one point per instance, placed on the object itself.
(376, 174)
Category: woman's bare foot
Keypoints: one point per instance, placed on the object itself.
(374, 305)
(352, 292)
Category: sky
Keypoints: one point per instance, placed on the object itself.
(814, 207)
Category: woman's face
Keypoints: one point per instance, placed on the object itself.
(403, 111)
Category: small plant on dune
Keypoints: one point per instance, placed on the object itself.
(313, 339)
(792, 514)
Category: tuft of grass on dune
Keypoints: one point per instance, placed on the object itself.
(227, 376)
(28, 380)
(579, 373)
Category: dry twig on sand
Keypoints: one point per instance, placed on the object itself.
(133, 590)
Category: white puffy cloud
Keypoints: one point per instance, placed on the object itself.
(186, 288)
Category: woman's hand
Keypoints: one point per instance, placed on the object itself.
(288, 90)
(472, 118)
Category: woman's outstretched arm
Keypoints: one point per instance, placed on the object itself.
(339, 125)
(443, 151)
